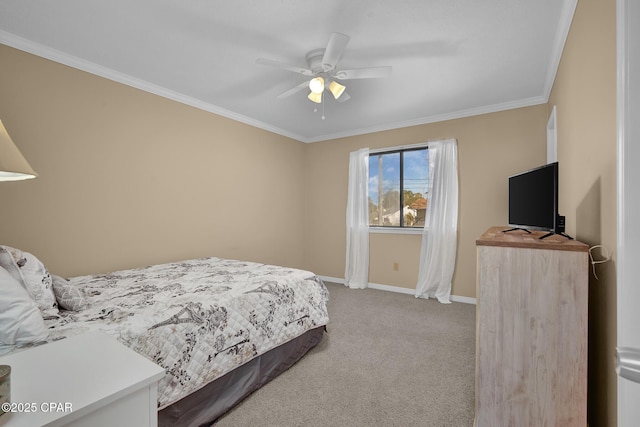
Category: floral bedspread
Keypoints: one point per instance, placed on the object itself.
(199, 319)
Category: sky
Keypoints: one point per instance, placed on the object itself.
(416, 172)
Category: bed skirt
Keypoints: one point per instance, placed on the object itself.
(206, 405)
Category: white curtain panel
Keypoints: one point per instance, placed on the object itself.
(356, 272)
(439, 237)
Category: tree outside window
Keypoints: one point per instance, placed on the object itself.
(398, 187)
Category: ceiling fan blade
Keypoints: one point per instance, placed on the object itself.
(363, 73)
(293, 90)
(282, 65)
(334, 50)
(344, 97)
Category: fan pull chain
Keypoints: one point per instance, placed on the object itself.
(322, 101)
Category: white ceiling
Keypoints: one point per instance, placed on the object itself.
(450, 58)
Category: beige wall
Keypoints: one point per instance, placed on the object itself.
(585, 97)
(128, 178)
(490, 148)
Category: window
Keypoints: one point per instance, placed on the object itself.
(398, 186)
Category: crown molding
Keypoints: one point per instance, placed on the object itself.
(564, 25)
(92, 68)
(537, 100)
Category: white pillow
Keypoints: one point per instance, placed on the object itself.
(36, 279)
(20, 318)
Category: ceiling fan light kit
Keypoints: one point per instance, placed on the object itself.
(322, 68)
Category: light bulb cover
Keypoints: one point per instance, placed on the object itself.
(316, 85)
(316, 97)
(336, 89)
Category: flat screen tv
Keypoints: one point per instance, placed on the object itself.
(533, 201)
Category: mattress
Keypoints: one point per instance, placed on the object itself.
(199, 319)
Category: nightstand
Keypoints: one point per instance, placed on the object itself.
(85, 380)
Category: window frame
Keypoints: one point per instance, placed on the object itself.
(382, 229)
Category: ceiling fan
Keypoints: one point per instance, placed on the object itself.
(323, 71)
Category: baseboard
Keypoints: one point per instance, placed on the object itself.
(466, 300)
(397, 289)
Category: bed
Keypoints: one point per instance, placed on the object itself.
(221, 328)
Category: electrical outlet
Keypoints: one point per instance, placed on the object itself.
(396, 266)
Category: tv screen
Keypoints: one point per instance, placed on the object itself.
(533, 199)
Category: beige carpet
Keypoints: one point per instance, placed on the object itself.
(388, 359)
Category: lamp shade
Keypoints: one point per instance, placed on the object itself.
(336, 89)
(13, 166)
(315, 97)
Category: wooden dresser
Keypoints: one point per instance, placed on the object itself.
(531, 330)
